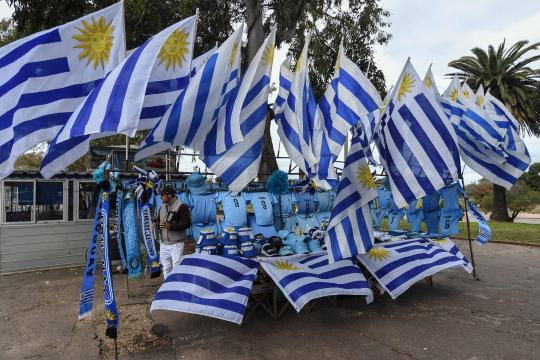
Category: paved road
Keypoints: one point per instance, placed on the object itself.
(460, 318)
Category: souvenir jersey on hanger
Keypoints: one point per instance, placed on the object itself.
(451, 212)
(384, 199)
(394, 216)
(431, 210)
(414, 216)
(234, 208)
(262, 207)
(287, 201)
(306, 201)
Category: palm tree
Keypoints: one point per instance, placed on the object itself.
(509, 77)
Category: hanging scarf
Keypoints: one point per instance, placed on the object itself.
(119, 229)
(111, 312)
(131, 235)
(86, 297)
(148, 236)
(484, 231)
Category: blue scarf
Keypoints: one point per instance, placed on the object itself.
(119, 229)
(148, 236)
(111, 312)
(86, 298)
(484, 231)
(131, 235)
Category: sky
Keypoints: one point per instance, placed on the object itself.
(436, 32)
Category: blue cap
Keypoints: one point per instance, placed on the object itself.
(196, 184)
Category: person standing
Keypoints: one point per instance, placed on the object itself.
(174, 218)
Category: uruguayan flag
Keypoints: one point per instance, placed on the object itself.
(195, 111)
(350, 229)
(399, 265)
(499, 158)
(294, 110)
(417, 143)
(162, 134)
(47, 75)
(429, 82)
(210, 285)
(308, 277)
(448, 245)
(116, 105)
(238, 165)
(349, 98)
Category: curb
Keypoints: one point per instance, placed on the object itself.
(505, 242)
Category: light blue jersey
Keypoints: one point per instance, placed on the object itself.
(306, 202)
(287, 201)
(234, 208)
(202, 208)
(262, 207)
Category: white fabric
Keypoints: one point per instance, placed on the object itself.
(170, 256)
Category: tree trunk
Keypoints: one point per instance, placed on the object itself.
(255, 39)
(268, 161)
(500, 210)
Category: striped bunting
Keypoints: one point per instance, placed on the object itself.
(291, 114)
(349, 98)
(308, 277)
(162, 134)
(194, 112)
(500, 159)
(238, 165)
(116, 105)
(350, 229)
(399, 265)
(47, 75)
(210, 285)
(417, 144)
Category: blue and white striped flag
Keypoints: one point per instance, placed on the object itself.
(398, 265)
(294, 110)
(349, 98)
(416, 142)
(47, 75)
(448, 245)
(429, 82)
(487, 152)
(194, 112)
(210, 285)
(308, 277)
(116, 105)
(162, 134)
(238, 165)
(350, 229)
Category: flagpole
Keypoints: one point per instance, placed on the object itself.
(475, 276)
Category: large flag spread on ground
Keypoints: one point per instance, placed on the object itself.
(308, 277)
(294, 111)
(349, 98)
(162, 134)
(210, 285)
(399, 265)
(116, 105)
(193, 113)
(350, 229)
(488, 143)
(238, 165)
(416, 142)
(47, 75)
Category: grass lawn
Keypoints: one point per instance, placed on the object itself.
(500, 231)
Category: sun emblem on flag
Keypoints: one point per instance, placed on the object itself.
(466, 93)
(285, 265)
(336, 68)
(364, 177)
(439, 241)
(268, 55)
(428, 82)
(110, 315)
(454, 94)
(378, 254)
(96, 40)
(480, 100)
(174, 50)
(155, 264)
(104, 196)
(406, 86)
(233, 54)
(298, 63)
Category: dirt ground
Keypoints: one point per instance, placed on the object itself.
(459, 318)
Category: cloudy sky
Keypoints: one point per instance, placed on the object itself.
(437, 32)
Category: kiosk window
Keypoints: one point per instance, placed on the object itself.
(18, 201)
